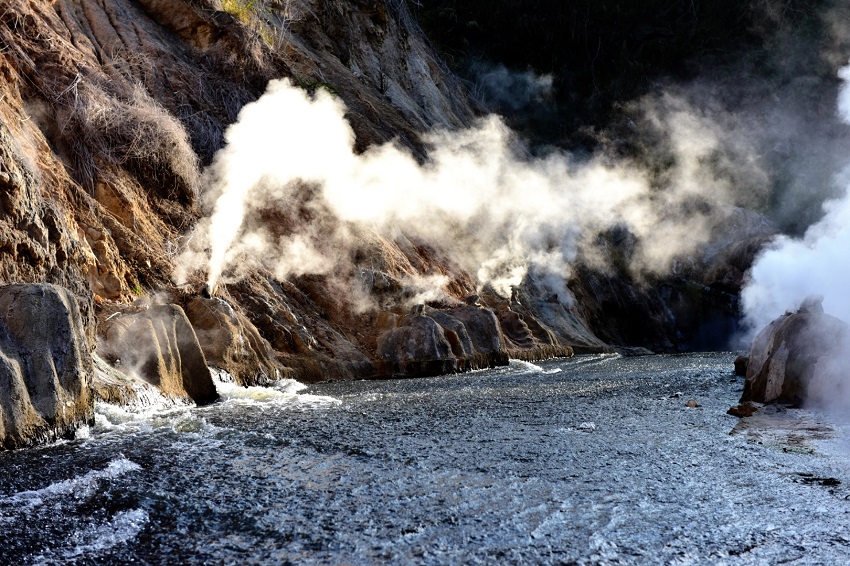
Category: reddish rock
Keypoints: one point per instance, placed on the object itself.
(742, 410)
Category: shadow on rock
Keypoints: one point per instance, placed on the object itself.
(158, 345)
(45, 365)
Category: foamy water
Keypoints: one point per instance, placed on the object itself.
(280, 393)
(79, 487)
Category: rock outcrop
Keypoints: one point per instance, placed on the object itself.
(417, 346)
(430, 341)
(800, 359)
(111, 109)
(45, 365)
(232, 343)
(158, 345)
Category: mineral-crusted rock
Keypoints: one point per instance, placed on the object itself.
(111, 386)
(560, 322)
(455, 332)
(45, 365)
(483, 329)
(416, 347)
(529, 339)
(232, 343)
(515, 328)
(438, 341)
(159, 345)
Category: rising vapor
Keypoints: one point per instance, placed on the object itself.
(816, 264)
(476, 195)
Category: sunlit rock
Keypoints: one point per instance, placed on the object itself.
(116, 388)
(158, 345)
(230, 342)
(800, 358)
(45, 365)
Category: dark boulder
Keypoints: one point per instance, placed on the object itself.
(455, 332)
(741, 363)
(417, 346)
(800, 358)
(45, 365)
(483, 328)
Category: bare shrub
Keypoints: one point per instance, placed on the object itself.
(131, 131)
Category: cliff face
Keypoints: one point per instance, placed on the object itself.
(111, 109)
(110, 112)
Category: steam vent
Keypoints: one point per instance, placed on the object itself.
(800, 358)
(424, 282)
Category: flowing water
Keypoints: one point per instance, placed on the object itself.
(592, 460)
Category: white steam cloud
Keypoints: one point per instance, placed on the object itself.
(288, 193)
(817, 264)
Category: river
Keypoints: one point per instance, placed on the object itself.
(590, 460)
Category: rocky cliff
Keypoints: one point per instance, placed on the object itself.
(112, 110)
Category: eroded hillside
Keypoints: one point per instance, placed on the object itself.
(115, 115)
(111, 110)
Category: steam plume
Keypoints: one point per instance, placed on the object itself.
(793, 269)
(289, 193)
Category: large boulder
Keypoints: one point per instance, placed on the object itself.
(455, 332)
(45, 365)
(417, 346)
(159, 345)
(431, 342)
(483, 328)
(800, 358)
(232, 343)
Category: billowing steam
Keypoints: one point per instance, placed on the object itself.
(289, 193)
(817, 264)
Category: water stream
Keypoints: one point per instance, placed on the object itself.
(592, 460)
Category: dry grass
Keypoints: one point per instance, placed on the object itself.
(129, 130)
(267, 20)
